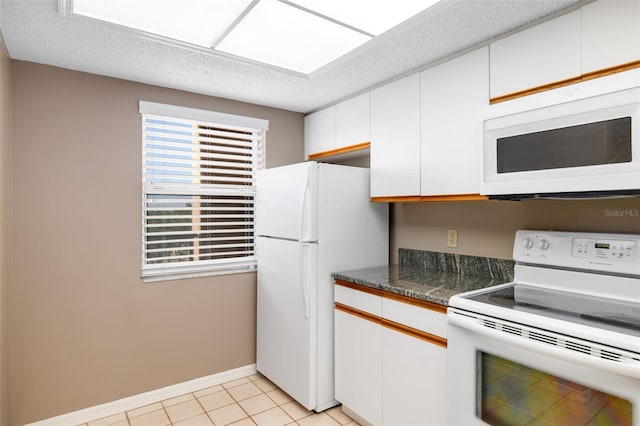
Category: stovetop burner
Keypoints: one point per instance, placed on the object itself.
(581, 285)
(608, 314)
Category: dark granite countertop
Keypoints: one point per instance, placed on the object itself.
(431, 276)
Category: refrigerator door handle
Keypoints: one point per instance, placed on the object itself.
(303, 206)
(304, 279)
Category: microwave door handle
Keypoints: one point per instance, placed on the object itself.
(629, 369)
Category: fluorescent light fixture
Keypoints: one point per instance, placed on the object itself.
(199, 22)
(282, 35)
(299, 35)
(371, 16)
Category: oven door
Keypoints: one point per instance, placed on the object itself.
(497, 377)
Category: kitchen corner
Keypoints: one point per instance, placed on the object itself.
(391, 333)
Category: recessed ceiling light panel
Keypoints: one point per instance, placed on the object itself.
(372, 16)
(282, 35)
(199, 22)
(299, 35)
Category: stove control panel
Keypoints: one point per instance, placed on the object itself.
(624, 250)
(618, 253)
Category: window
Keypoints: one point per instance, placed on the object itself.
(198, 189)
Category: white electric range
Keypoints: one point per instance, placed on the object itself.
(558, 345)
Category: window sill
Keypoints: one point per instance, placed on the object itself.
(182, 275)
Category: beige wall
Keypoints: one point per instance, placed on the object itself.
(5, 134)
(85, 329)
(486, 228)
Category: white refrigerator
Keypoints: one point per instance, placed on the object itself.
(311, 219)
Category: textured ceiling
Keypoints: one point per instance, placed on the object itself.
(34, 31)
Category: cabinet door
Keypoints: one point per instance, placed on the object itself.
(353, 121)
(544, 54)
(395, 138)
(414, 378)
(320, 131)
(358, 366)
(610, 34)
(455, 96)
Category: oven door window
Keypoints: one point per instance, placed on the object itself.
(509, 393)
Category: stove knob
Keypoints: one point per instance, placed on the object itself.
(527, 243)
(543, 244)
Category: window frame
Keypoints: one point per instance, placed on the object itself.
(170, 270)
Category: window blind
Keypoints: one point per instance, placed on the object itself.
(198, 181)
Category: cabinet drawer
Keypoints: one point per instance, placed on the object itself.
(366, 302)
(417, 317)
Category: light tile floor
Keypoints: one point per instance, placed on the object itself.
(249, 401)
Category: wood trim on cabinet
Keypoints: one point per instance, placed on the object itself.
(534, 90)
(566, 82)
(455, 197)
(344, 150)
(392, 325)
(399, 199)
(358, 313)
(413, 332)
(429, 198)
(416, 302)
(611, 70)
(360, 287)
(393, 296)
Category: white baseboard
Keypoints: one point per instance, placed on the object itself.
(125, 404)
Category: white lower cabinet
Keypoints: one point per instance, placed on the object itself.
(389, 372)
(414, 378)
(358, 363)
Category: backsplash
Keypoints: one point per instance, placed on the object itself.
(487, 267)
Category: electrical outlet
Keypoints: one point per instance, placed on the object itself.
(452, 238)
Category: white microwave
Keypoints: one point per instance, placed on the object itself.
(584, 148)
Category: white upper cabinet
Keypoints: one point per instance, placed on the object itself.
(353, 121)
(584, 44)
(455, 95)
(543, 54)
(339, 129)
(395, 138)
(610, 34)
(320, 132)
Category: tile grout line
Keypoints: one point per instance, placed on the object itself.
(202, 406)
(280, 405)
(250, 380)
(236, 402)
(166, 413)
(262, 393)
